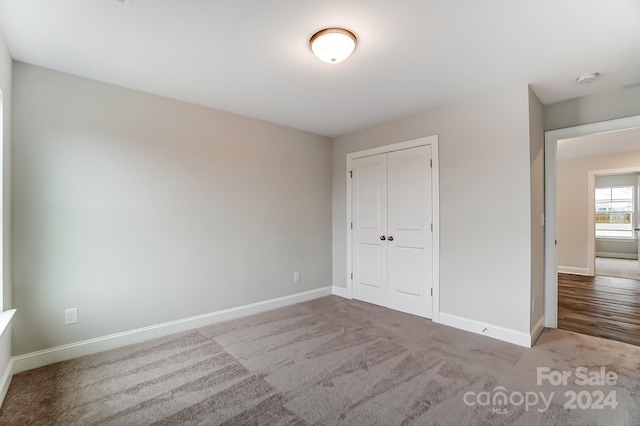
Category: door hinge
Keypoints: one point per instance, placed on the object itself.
(352, 275)
(556, 243)
(432, 227)
(351, 225)
(350, 174)
(432, 291)
(431, 163)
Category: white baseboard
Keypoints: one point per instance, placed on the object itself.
(617, 255)
(537, 330)
(87, 347)
(497, 332)
(341, 291)
(573, 271)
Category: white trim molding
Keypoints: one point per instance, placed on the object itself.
(574, 271)
(5, 380)
(435, 193)
(537, 330)
(6, 362)
(341, 292)
(87, 347)
(629, 256)
(551, 139)
(517, 337)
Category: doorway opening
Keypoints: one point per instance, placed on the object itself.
(575, 294)
(616, 205)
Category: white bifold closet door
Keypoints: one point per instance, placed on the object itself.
(392, 230)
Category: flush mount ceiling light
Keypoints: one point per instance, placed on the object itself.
(333, 45)
(587, 78)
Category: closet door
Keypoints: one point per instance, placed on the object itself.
(369, 213)
(409, 238)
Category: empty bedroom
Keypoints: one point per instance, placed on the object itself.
(337, 212)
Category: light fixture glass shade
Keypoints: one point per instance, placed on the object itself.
(587, 78)
(333, 45)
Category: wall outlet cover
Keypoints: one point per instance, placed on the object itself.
(70, 316)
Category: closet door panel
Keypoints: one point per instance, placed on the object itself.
(409, 228)
(369, 212)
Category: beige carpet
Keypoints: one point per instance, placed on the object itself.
(620, 268)
(330, 361)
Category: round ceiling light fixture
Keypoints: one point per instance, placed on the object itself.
(587, 78)
(333, 45)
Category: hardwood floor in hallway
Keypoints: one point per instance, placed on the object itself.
(600, 306)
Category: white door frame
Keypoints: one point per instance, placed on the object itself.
(551, 139)
(435, 205)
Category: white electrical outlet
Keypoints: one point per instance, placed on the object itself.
(71, 316)
(296, 277)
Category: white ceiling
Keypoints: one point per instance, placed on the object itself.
(600, 144)
(251, 57)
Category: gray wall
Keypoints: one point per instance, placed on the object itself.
(5, 86)
(610, 105)
(536, 145)
(618, 248)
(138, 209)
(485, 203)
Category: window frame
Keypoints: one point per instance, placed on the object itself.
(633, 212)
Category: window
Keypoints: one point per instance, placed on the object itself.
(614, 212)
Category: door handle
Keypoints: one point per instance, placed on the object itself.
(383, 238)
(390, 238)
